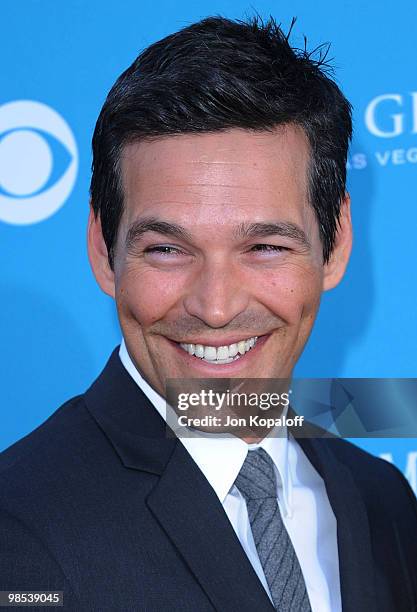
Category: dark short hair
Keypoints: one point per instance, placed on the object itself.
(215, 75)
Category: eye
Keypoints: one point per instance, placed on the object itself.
(268, 248)
(164, 250)
(38, 162)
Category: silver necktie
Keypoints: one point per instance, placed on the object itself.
(257, 483)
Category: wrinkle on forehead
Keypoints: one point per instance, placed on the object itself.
(232, 148)
(251, 171)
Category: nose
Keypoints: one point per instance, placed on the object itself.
(217, 293)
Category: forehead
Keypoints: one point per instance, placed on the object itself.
(245, 172)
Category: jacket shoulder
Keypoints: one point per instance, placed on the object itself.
(381, 483)
(61, 424)
(42, 464)
(34, 475)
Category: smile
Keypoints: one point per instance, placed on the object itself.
(221, 354)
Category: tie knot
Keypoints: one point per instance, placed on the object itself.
(256, 479)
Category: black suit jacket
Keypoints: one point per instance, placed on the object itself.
(98, 502)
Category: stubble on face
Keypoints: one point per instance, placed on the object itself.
(213, 283)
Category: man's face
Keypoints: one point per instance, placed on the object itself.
(218, 244)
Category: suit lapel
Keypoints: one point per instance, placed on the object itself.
(183, 502)
(192, 516)
(188, 510)
(356, 564)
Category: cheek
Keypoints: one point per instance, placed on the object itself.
(146, 296)
(293, 292)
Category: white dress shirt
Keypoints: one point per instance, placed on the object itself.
(301, 495)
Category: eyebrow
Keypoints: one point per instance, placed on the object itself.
(280, 228)
(243, 231)
(152, 224)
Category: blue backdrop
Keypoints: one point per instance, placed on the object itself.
(58, 60)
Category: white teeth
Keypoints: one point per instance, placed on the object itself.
(210, 353)
(199, 350)
(221, 361)
(221, 354)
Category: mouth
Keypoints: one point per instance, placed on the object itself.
(225, 358)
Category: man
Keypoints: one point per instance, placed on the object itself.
(218, 216)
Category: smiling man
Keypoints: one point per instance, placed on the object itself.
(218, 217)
(218, 244)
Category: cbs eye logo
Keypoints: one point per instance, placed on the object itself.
(38, 162)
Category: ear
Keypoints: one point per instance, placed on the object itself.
(98, 255)
(335, 268)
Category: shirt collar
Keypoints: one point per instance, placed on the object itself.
(220, 457)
